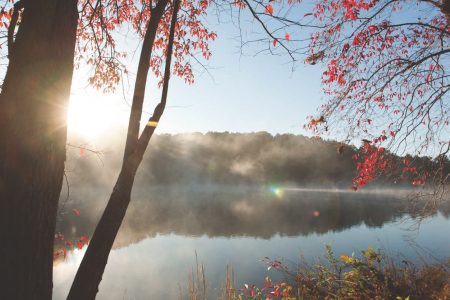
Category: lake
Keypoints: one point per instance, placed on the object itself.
(167, 226)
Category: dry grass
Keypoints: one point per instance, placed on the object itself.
(371, 275)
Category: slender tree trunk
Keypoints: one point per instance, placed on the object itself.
(445, 7)
(33, 104)
(89, 275)
(90, 272)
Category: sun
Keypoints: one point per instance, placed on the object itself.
(90, 117)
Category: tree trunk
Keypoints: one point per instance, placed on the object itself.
(445, 7)
(33, 131)
(90, 272)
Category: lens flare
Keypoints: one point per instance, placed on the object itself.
(277, 191)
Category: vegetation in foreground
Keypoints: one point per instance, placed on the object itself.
(371, 275)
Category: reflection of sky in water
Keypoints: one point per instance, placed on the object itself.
(153, 267)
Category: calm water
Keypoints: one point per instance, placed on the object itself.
(165, 226)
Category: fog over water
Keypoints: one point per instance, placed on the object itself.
(234, 199)
(227, 211)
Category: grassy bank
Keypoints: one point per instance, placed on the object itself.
(369, 275)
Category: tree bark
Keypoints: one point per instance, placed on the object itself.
(90, 272)
(141, 78)
(446, 8)
(33, 113)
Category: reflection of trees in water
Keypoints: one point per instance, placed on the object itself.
(240, 212)
(228, 158)
(197, 160)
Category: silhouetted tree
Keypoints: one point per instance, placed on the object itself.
(33, 101)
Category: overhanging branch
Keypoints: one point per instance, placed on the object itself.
(159, 109)
(141, 78)
(12, 26)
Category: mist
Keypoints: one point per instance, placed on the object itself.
(228, 185)
(222, 158)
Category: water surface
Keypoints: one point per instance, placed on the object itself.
(165, 226)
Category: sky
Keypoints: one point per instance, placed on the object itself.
(239, 93)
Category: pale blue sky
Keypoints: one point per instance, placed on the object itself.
(243, 94)
(247, 94)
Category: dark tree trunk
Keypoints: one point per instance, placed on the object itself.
(445, 7)
(90, 272)
(33, 109)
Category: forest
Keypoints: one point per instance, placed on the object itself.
(241, 159)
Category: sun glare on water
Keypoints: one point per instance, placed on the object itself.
(277, 191)
(91, 117)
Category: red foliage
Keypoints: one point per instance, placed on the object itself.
(62, 248)
(269, 290)
(76, 212)
(369, 164)
(385, 77)
(5, 16)
(100, 21)
(287, 37)
(269, 9)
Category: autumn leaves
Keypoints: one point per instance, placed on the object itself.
(269, 10)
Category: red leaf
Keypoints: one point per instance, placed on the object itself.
(79, 245)
(287, 36)
(417, 182)
(274, 43)
(269, 9)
